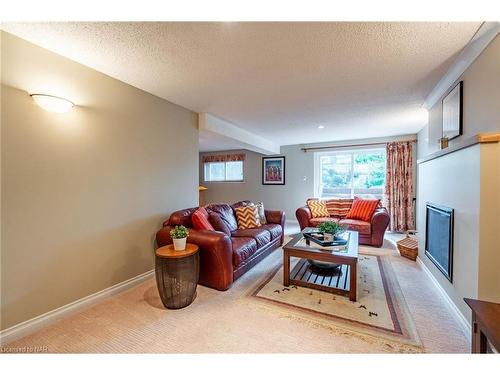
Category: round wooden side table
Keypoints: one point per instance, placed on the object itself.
(177, 275)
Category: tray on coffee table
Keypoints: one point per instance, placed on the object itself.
(318, 237)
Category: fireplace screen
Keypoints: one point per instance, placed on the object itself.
(439, 238)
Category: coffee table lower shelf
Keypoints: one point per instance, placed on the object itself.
(304, 275)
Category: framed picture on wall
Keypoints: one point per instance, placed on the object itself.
(452, 112)
(273, 170)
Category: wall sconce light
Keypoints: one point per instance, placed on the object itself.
(52, 103)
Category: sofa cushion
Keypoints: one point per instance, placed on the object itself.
(363, 227)
(262, 236)
(318, 208)
(315, 221)
(363, 209)
(218, 224)
(339, 207)
(226, 213)
(243, 248)
(274, 229)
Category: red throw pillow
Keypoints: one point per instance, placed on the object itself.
(200, 219)
(362, 209)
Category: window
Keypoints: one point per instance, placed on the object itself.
(224, 171)
(350, 173)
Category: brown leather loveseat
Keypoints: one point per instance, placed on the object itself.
(228, 252)
(370, 232)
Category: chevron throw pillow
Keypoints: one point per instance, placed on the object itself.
(248, 217)
(318, 208)
(260, 211)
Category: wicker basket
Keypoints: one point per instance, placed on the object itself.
(408, 247)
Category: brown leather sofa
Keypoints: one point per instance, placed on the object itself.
(370, 232)
(228, 252)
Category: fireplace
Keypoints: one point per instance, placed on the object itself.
(439, 238)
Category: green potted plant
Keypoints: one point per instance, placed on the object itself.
(179, 236)
(331, 230)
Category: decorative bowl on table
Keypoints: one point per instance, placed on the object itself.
(319, 266)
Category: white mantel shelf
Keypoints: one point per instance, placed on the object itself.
(468, 142)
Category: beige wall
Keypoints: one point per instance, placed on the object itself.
(454, 181)
(299, 176)
(467, 181)
(83, 193)
(481, 98)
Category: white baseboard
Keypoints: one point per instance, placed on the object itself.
(32, 325)
(464, 322)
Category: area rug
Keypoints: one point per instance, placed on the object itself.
(379, 314)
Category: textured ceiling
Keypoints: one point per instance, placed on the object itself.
(278, 80)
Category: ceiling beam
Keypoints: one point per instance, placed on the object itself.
(249, 141)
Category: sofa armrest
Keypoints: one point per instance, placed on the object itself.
(379, 224)
(216, 255)
(303, 215)
(277, 217)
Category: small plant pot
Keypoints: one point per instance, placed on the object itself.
(179, 244)
(328, 237)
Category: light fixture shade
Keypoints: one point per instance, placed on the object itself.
(52, 103)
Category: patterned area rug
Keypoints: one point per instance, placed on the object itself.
(380, 312)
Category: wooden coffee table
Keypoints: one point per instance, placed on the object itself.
(303, 274)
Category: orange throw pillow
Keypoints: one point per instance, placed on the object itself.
(200, 220)
(362, 209)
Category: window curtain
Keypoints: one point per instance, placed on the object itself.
(399, 186)
(221, 158)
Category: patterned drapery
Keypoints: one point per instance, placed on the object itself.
(220, 158)
(399, 186)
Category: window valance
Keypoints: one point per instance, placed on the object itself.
(222, 158)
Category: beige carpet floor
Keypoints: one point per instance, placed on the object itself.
(217, 322)
(380, 312)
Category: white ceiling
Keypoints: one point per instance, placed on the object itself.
(277, 80)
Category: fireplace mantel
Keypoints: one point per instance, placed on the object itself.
(468, 142)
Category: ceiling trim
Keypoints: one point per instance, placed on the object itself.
(484, 35)
(250, 141)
